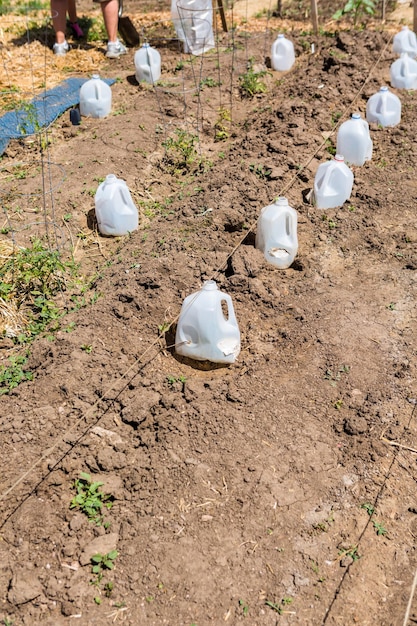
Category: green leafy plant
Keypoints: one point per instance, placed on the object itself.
(209, 82)
(352, 552)
(89, 499)
(222, 125)
(331, 149)
(250, 82)
(181, 155)
(30, 279)
(260, 170)
(12, 375)
(171, 380)
(101, 562)
(378, 526)
(356, 9)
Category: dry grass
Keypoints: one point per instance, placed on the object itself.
(12, 321)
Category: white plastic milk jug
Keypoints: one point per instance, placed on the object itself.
(354, 142)
(384, 108)
(116, 213)
(276, 233)
(204, 331)
(332, 184)
(403, 72)
(95, 97)
(282, 54)
(147, 64)
(193, 22)
(405, 41)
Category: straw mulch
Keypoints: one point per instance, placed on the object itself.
(12, 321)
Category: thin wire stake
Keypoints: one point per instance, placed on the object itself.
(410, 600)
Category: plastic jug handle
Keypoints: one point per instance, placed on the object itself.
(231, 318)
(327, 175)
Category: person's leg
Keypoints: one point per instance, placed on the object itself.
(110, 9)
(59, 12)
(73, 19)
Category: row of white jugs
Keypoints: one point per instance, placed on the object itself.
(96, 97)
(207, 328)
(204, 331)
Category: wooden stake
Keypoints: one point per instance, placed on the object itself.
(314, 17)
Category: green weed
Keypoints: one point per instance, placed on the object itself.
(250, 83)
(89, 499)
(279, 607)
(209, 82)
(101, 562)
(30, 280)
(12, 375)
(261, 171)
(352, 552)
(181, 155)
(334, 375)
(222, 125)
(378, 526)
(356, 9)
(244, 607)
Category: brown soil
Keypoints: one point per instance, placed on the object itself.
(238, 491)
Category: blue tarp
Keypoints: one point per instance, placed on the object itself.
(41, 111)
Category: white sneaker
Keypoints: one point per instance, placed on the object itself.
(61, 49)
(115, 49)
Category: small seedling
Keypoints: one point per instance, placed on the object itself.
(163, 328)
(279, 607)
(261, 171)
(334, 375)
(88, 348)
(369, 508)
(176, 379)
(244, 607)
(208, 82)
(380, 530)
(102, 562)
(89, 499)
(352, 552)
(379, 527)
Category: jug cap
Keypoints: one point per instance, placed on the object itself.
(281, 36)
(95, 76)
(111, 178)
(356, 116)
(339, 157)
(209, 285)
(383, 88)
(146, 44)
(281, 200)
